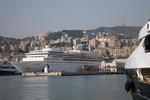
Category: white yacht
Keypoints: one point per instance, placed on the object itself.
(55, 60)
(137, 67)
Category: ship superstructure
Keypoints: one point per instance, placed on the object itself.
(57, 60)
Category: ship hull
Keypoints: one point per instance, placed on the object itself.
(28, 66)
(59, 66)
(5, 73)
(8, 70)
(139, 90)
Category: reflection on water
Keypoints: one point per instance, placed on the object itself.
(96, 87)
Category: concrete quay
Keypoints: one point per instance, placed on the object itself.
(41, 74)
(90, 73)
(67, 73)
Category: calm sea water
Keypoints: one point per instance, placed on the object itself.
(94, 87)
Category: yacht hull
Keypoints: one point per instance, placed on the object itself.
(139, 90)
(5, 73)
(8, 70)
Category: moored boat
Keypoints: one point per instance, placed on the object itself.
(7, 69)
(59, 61)
(137, 67)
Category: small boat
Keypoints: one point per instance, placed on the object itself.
(7, 69)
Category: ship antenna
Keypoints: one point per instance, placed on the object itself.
(123, 22)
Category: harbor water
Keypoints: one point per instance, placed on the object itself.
(90, 87)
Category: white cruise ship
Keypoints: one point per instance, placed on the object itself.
(55, 60)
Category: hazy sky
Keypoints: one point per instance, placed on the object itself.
(21, 18)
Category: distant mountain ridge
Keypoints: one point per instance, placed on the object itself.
(128, 31)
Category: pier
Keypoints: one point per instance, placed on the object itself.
(67, 73)
(42, 74)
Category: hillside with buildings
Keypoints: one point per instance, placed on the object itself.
(111, 42)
